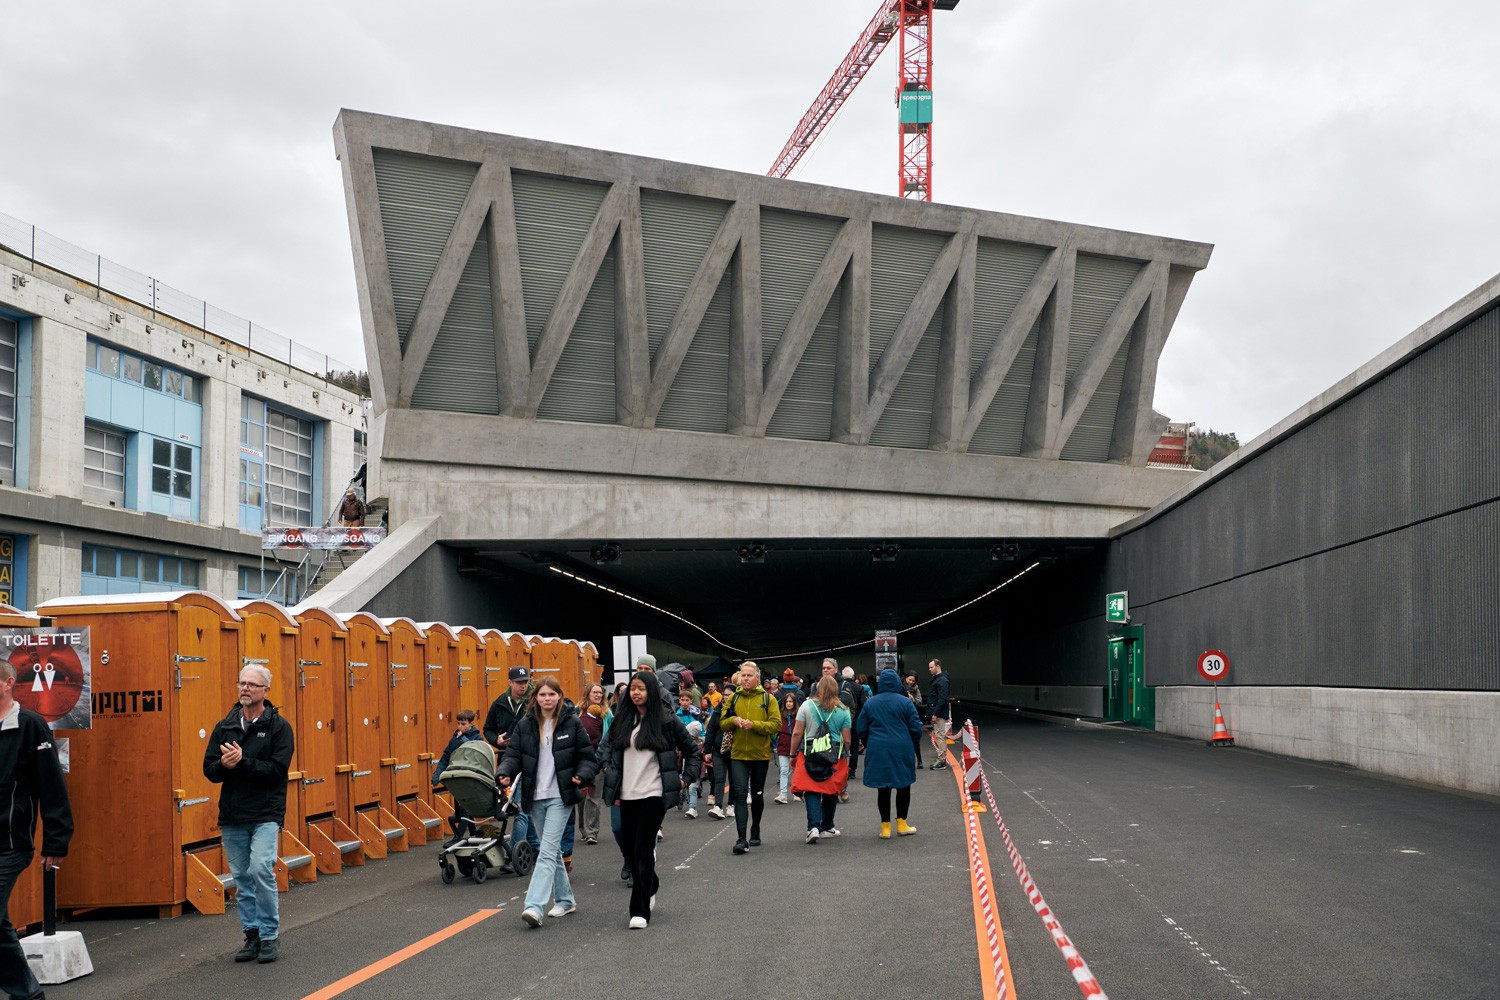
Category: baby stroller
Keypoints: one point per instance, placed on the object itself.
(479, 838)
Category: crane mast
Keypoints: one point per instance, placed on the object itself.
(910, 22)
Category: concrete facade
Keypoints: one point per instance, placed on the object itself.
(45, 506)
(732, 353)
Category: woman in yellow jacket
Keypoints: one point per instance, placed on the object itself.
(752, 721)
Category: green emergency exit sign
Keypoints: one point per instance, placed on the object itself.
(1117, 607)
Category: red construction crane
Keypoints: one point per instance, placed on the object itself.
(911, 22)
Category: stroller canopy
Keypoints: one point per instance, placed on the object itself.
(470, 776)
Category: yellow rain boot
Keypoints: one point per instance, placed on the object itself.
(885, 831)
(904, 829)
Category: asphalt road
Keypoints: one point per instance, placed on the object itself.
(1177, 871)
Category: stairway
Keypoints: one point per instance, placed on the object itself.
(340, 560)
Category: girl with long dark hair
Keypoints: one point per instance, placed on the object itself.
(641, 771)
(552, 753)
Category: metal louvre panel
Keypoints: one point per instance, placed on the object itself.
(907, 419)
(676, 233)
(420, 200)
(1090, 439)
(1099, 283)
(699, 400)
(553, 217)
(460, 370)
(1002, 273)
(900, 261)
(583, 384)
(791, 249)
(806, 408)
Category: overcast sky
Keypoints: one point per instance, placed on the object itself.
(1341, 156)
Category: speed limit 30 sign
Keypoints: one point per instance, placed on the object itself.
(1213, 665)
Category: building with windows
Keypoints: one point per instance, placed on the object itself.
(140, 451)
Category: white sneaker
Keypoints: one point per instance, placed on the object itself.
(637, 923)
(833, 831)
(729, 811)
(781, 799)
(715, 812)
(691, 814)
(660, 836)
(812, 836)
(532, 917)
(559, 910)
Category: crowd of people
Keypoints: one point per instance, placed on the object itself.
(651, 746)
(660, 742)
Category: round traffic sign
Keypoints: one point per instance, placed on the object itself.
(1213, 665)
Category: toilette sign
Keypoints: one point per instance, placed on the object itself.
(53, 673)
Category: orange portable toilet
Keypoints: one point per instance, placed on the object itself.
(146, 820)
(26, 894)
(590, 664)
(558, 659)
(494, 655)
(366, 707)
(412, 785)
(321, 681)
(441, 671)
(269, 639)
(470, 671)
(520, 650)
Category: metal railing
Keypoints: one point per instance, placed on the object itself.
(42, 247)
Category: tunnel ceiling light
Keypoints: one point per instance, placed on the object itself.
(646, 604)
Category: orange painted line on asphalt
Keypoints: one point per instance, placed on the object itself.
(989, 936)
(396, 958)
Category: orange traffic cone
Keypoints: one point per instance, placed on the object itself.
(1221, 737)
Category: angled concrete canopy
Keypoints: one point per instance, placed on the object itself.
(609, 346)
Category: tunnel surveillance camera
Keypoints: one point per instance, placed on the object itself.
(605, 552)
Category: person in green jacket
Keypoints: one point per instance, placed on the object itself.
(753, 720)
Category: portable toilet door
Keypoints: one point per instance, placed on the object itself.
(549, 658)
(590, 662)
(442, 698)
(365, 670)
(325, 753)
(26, 894)
(145, 816)
(494, 655)
(269, 639)
(408, 714)
(470, 671)
(520, 650)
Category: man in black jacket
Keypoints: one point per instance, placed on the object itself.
(938, 712)
(500, 720)
(29, 767)
(249, 754)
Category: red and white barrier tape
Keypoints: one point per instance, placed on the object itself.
(1080, 969)
(981, 880)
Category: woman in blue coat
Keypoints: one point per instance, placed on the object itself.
(890, 729)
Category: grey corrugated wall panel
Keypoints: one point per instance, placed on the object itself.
(553, 217)
(1098, 286)
(460, 369)
(419, 204)
(1002, 273)
(792, 247)
(1360, 550)
(676, 234)
(900, 261)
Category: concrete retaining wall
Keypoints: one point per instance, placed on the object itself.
(1441, 737)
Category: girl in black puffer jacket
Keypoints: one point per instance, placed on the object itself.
(552, 753)
(642, 771)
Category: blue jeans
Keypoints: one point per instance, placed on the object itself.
(15, 974)
(549, 879)
(820, 810)
(526, 830)
(250, 849)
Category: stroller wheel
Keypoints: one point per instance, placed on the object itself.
(523, 858)
(481, 871)
(448, 871)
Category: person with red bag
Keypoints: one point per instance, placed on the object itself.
(820, 741)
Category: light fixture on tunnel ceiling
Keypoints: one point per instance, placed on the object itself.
(752, 552)
(605, 552)
(1004, 550)
(883, 552)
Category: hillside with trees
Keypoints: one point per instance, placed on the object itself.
(1205, 448)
